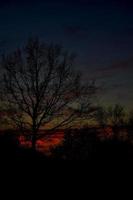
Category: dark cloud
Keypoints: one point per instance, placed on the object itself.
(76, 31)
(116, 68)
(124, 65)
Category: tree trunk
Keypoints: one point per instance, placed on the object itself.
(34, 134)
(34, 140)
(116, 132)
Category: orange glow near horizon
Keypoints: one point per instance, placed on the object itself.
(44, 145)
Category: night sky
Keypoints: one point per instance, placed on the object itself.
(99, 32)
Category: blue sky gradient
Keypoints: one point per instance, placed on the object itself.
(99, 32)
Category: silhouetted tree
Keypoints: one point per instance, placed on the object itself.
(130, 125)
(114, 116)
(117, 120)
(42, 89)
(101, 117)
(130, 119)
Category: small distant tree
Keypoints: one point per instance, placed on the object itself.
(130, 119)
(116, 115)
(117, 118)
(101, 117)
(42, 89)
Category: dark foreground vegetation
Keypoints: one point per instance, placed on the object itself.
(82, 145)
(11, 151)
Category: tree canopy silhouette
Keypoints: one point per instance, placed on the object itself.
(42, 89)
(112, 115)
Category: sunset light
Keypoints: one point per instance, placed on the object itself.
(66, 89)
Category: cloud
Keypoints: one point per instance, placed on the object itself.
(116, 77)
(121, 66)
(76, 31)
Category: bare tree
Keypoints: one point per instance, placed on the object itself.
(117, 118)
(112, 115)
(116, 115)
(130, 119)
(42, 89)
(101, 117)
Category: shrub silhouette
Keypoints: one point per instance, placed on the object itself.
(77, 145)
(11, 151)
(85, 145)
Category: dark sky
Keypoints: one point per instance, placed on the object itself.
(100, 32)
